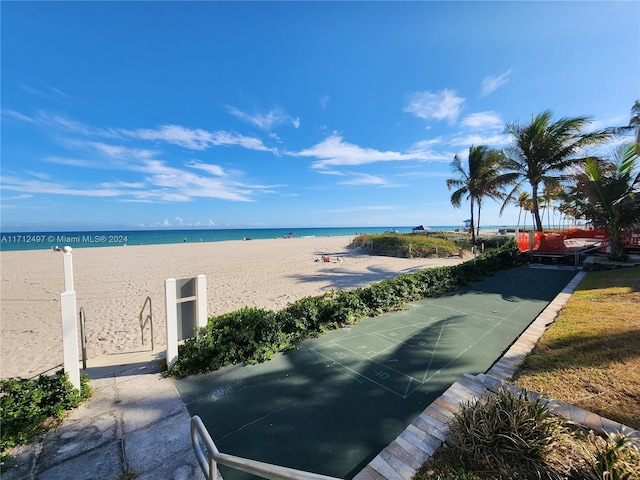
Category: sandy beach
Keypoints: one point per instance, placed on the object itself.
(112, 284)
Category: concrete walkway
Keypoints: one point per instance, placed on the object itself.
(136, 426)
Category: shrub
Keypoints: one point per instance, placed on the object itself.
(508, 434)
(307, 317)
(31, 406)
(408, 245)
(611, 458)
(249, 335)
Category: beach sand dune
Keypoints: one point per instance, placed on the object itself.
(112, 284)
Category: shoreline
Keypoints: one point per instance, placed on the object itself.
(113, 283)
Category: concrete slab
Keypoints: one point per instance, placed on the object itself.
(104, 463)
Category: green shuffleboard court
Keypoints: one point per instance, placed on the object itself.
(331, 405)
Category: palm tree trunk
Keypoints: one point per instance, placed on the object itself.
(519, 213)
(473, 231)
(536, 209)
(618, 253)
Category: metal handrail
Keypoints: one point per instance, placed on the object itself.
(148, 318)
(83, 337)
(600, 244)
(208, 461)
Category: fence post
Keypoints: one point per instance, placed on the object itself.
(69, 322)
(201, 302)
(170, 297)
(70, 337)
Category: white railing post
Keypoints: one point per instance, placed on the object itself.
(69, 322)
(201, 301)
(172, 321)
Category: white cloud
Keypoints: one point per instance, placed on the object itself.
(196, 138)
(157, 181)
(364, 179)
(483, 120)
(265, 121)
(492, 83)
(17, 116)
(424, 150)
(50, 93)
(216, 170)
(324, 100)
(333, 151)
(437, 106)
(492, 140)
(35, 186)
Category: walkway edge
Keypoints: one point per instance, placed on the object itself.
(403, 457)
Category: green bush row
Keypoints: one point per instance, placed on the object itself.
(253, 335)
(28, 404)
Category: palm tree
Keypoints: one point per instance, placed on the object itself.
(524, 202)
(570, 205)
(550, 192)
(543, 149)
(612, 188)
(634, 124)
(483, 178)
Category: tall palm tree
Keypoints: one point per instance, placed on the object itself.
(543, 149)
(482, 178)
(612, 187)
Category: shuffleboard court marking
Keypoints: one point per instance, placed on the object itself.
(369, 379)
(433, 354)
(337, 346)
(390, 334)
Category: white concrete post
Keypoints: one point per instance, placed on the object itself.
(70, 337)
(201, 301)
(69, 323)
(170, 297)
(68, 270)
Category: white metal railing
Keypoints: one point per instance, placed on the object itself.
(83, 337)
(148, 318)
(208, 460)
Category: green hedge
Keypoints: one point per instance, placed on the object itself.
(253, 335)
(30, 405)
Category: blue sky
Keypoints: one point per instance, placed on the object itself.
(281, 114)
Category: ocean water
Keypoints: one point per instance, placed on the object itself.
(10, 241)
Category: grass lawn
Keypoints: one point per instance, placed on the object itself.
(590, 356)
